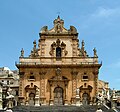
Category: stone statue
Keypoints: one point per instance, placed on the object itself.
(95, 52)
(58, 71)
(77, 91)
(22, 53)
(83, 43)
(37, 91)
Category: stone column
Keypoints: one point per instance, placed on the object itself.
(51, 92)
(96, 82)
(74, 86)
(66, 101)
(42, 85)
(21, 97)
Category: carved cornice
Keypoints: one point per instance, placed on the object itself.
(62, 65)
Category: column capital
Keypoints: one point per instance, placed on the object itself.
(95, 72)
(42, 72)
(74, 72)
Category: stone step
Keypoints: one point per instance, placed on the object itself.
(83, 108)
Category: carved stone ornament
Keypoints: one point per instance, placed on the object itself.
(56, 44)
(95, 52)
(22, 53)
(34, 52)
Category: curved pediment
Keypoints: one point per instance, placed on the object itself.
(58, 28)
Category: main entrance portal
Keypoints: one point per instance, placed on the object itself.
(85, 99)
(58, 96)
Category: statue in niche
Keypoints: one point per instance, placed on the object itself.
(58, 28)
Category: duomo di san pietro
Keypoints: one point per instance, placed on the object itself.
(59, 72)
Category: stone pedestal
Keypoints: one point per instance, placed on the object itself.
(43, 101)
(27, 103)
(77, 97)
(37, 103)
(65, 102)
(73, 101)
(113, 100)
(113, 103)
(78, 100)
(10, 104)
(9, 110)
(21, 100)
(51, 102)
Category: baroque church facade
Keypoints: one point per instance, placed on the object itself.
(58, 71)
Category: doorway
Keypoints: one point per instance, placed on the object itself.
(58, 96)
(31, 99)
(85, 99)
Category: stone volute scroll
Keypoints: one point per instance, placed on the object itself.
(73, 30)
(44, 29)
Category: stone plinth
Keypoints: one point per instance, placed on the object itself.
(65, 102)
(51, 102)
(78, 100)
(37, 102)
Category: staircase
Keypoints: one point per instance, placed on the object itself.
(83, 108)
(87, 108)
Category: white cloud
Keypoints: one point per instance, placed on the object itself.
(106, 12)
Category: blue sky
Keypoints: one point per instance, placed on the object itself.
(97, 22)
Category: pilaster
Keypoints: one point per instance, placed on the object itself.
(42, 86)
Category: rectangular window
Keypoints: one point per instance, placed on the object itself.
(85, 77)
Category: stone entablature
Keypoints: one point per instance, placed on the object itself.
(52, 60)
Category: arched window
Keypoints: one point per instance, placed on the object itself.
(58, 52)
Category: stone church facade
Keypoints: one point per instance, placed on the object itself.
(58, 71)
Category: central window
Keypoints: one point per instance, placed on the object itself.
(58, 52)
(84, 77)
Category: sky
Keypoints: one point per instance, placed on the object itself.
(97, 22)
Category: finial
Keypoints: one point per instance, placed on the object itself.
(22, 53)
(95, 52)
(83, 43)
(58, 15)
(34, 43)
